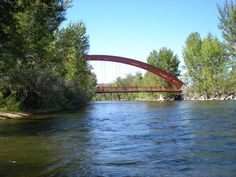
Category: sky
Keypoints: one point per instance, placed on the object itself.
(133, 28)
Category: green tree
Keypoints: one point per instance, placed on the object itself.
(207, 64)
(72, 44)
(27, 31)
(129, 80)
(164, 59)
(192, 55)
(41, 66)
(227, 23)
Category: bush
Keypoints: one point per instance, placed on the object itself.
(9, 104)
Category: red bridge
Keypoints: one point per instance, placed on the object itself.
(134, 89)
(177, 84)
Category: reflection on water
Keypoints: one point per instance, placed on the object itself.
(122, 138)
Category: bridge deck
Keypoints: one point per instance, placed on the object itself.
(128, 89)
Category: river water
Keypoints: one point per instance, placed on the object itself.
(124, 138)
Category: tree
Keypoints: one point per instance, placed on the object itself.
(130, 80)
(72, 44)
(207, 64)
(166, 60)
(27, 30)
(227, 23)
(192, 54)
(163, 59)
(42, 67)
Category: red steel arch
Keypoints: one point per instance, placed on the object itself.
(167, 76)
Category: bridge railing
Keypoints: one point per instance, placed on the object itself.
(124, 89)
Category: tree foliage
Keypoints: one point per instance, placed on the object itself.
(128, 80)
(42, 67)
(207, 63)
(164, 59)
(227, 24)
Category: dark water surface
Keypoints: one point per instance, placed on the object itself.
(124, 139)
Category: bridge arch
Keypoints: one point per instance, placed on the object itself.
(163, 74)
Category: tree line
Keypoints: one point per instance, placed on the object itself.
(210, 64)
(42, 65)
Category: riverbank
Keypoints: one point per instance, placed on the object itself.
(16, 115)
(191, 98)
(37, 114)
(24, 115)
(204, 98)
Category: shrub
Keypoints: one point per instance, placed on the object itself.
(9, 104)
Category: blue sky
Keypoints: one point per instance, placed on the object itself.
(133, 28)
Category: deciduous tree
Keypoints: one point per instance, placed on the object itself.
(207, 63)
(164, 59)
(227, 24)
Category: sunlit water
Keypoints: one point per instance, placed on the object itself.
(124, 139)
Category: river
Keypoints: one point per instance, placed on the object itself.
(124, 138)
